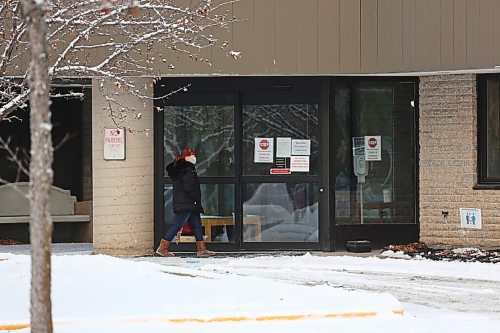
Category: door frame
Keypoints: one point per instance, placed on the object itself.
(265, 89)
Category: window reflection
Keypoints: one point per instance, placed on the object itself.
(208, 129)
(218, 220)
(280, 212)
(296, 121)
(387, 195)
(493, 131)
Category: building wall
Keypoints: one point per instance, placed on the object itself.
(448, 164)
(319, 37)
(123, 190)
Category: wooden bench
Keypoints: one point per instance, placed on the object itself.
(15, 208)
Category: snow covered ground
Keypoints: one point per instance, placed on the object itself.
(268, 293)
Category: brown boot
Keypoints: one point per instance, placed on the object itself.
(202, 250)
(162, 250)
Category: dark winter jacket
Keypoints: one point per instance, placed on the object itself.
(187, 192)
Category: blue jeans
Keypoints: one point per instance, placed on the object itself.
(182, 218)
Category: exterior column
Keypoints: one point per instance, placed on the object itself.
(123, 210)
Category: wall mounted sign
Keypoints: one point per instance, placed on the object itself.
(470, 218)
(264, 150)
(373, 148)
(114, 143)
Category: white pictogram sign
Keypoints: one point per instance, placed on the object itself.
(470, 218)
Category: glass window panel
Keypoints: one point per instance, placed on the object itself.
(208, 129)
(280, 212)
(218, 220)
(295, 121)
(387, 193)
(493, 131)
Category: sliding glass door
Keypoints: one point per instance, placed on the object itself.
(207, 125)
(281, 190)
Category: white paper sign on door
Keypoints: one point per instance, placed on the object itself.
(301, 147)
(373, 148)
(264, 150)
(283, 147)
(299, 164)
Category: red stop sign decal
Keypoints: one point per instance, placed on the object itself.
(372, 142)
(264, 144)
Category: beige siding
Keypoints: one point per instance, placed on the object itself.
(409, 26)
(448, 155)
(285, 26)
(244, 40)
(390, 37)
(487, 18)
(369, 37)
(421, 21)
(350, 36)
(362, 37)
(460, 34)
(328, 36)
(123, 190)
(473, 40)
(264, 37)
(307, 36)
(446, 33)
(496, 33)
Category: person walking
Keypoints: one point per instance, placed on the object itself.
(186, 203)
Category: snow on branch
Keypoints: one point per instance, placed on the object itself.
(113, 39)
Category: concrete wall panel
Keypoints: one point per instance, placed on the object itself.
(123, 190)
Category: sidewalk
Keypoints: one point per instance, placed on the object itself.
(86, 248)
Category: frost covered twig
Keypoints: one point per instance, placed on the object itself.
(113, 39)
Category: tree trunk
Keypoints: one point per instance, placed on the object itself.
(40, 168)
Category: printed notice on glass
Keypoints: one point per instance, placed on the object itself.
(373, 148)
(264, 150)
(114, 143)
(299, 164)
(283, 147)
(301, 147)
(470, 218)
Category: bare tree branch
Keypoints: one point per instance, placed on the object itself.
(113, 39)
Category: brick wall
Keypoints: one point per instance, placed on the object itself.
(123, 190)
(448, 164)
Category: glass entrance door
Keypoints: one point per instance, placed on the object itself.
(258, 161)
(207, 125)
(280, 173)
